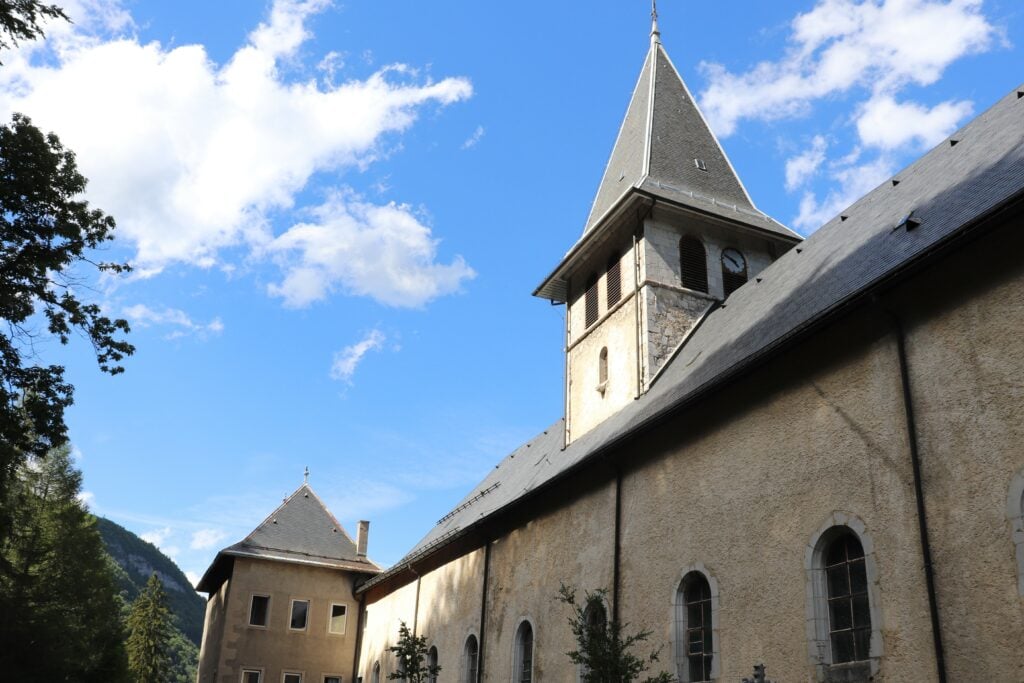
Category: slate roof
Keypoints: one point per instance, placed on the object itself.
(300, 530)
(662, 135)
(979, 169)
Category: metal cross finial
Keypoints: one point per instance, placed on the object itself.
(655, 33)
(305, 477)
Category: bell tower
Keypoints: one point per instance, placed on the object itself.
(671, 234)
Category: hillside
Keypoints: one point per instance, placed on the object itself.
(138, 559)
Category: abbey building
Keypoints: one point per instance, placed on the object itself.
(801, 453)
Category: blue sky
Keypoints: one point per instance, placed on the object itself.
(337, 213)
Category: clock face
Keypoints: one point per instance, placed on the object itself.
(733, 261)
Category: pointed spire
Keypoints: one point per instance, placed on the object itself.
(655, 33)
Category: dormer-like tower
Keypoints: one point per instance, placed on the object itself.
(672, 232)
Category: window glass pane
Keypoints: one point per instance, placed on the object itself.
(861, 612)
(842, 647)
(258, 610)
(339, 615)
(854, 549)
(293, 678)
(838, 581)
(839, 615)
(332, 679)
(862, 643)
(300, 610)
(858, 577)
(251, 676)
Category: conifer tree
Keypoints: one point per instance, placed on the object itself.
(149, 634)
(59, 607)
(411, 653)
(604, 647)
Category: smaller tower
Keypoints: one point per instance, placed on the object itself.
(671, 234)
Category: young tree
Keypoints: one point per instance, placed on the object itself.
(604, 647)
(411, 653)
(59, 607)
(149, 634)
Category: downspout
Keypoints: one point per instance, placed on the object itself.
(416, 608)
(359, 638)
(483, 615)
(922, 518)
(618, 545)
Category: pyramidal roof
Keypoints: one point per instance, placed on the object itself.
(300, 530)
(666, 147)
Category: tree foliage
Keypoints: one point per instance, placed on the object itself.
(604, 648)
(150, 635)
(20, 19)
(411, 653)
(59, 608)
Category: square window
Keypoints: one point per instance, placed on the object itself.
(258, 610)
(252, 676)
(292, 678)
(300, 615)
(338, 619)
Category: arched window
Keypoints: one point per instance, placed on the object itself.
(375, 678)
(469, 660)
(590, 301)
(734, 270)
(695, 637)
(693, 264)
(602, 370)
(614, 279)
(843, 624)
(523, 662)
(596, 620)
(432, 662)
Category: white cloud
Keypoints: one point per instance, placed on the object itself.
(87, 498)
(193, 578)
(194, 157)
(853, 181)
(206, 538)
(347, 360)
(381, 251)
(882, 45)
(888, 124)
(157, 536)
(801, 168)
(473, 139)
(144, 316)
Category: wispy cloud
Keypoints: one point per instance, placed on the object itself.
(195, 157)
(157, 536)
(207, 538)
(475, 138)
(872, 50)
(87, 498)
(348, 359)
(183, 325)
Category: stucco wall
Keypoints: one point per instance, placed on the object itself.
(450, 610)
(276, 648)
(213, 634)
(380, 630)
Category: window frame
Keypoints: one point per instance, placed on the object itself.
(432, 660)
(291, 611)
(324, 677)
(330, 618)
(285, 673)
(517, 651)
(252, 600)
(464, 669)
(817, 615)
(680, 625)
(251, 670)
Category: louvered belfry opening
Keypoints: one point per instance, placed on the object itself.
(614, 279)
(590, 316)
(693, 262)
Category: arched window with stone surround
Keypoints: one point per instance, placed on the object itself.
(693, 264)
(431, 662)
(843, 618)
(696, 647)
(470, 655)
(596, 619)
(522, 663)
